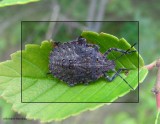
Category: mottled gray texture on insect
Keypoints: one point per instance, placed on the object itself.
(79, 62)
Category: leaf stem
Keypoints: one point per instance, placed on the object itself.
(151, 65)
(156, 89)
(158, 84)
(156, 121)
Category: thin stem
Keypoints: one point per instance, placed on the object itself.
(156, 121)
(156, 89)
(151, 65)
(158, 84)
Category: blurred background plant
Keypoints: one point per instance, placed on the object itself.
(146, 12)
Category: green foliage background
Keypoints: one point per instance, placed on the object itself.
(145, 12)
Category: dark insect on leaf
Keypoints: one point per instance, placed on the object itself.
(79, 62)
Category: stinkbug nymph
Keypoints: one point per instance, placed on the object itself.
(79, 62)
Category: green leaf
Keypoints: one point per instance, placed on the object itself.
(37, 86)
(14, 2)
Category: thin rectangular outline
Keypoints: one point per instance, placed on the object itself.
(80, 102)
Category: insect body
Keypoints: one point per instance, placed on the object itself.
(79, 62)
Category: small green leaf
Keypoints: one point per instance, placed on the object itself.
(14, 2)
(37, 86)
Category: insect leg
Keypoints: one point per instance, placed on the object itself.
(117, 74)
(118, 50)
(114, 76)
